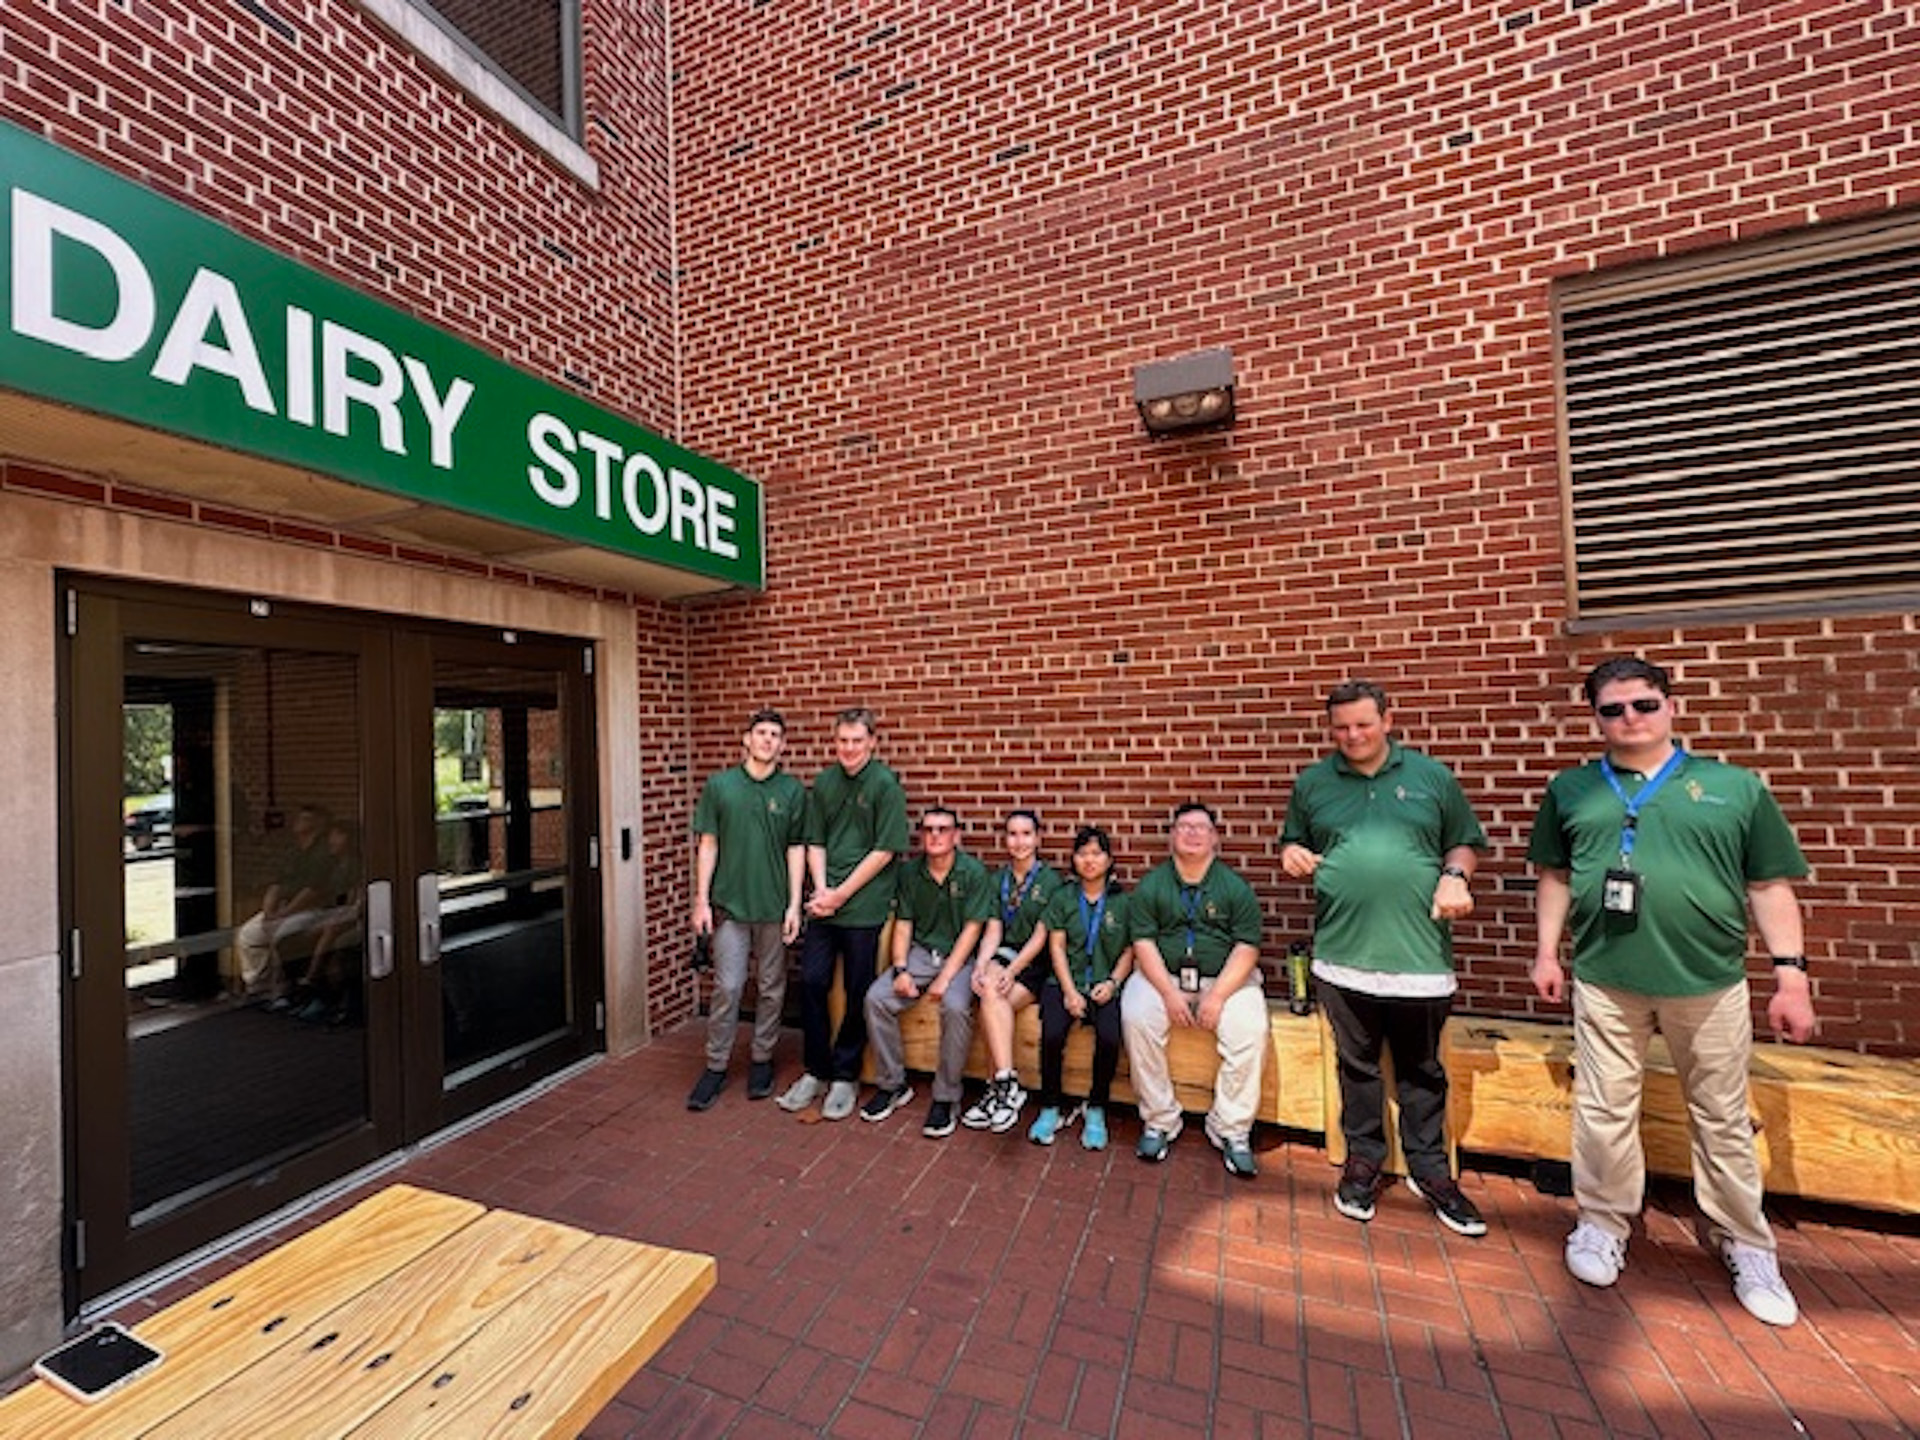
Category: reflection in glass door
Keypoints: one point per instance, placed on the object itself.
(244, 912)
(330, 888)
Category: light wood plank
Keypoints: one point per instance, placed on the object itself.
(357, 1357)
(250, 1314)
(553, 1359)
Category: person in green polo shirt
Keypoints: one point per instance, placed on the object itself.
(1090, 943)
(1654, 857)
(749, 862)
(856, 825)
(942, 902)
(1013, 967)
(1196, 955)
(1387, 838)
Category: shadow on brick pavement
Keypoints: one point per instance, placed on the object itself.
(875, 1284)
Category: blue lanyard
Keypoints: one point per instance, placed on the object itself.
(1639, 801)
(1190, 896)
(1010, 899)
(1090, 922)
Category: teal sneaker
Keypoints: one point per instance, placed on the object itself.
(1093, 1130)
(1154, 1145)
(1045, 1126)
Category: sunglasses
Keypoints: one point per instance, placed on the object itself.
(1645, 705)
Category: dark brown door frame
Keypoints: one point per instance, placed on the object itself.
(394, 657)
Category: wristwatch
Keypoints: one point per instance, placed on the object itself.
(1791, 962)
(1453, 870)
(899, 970)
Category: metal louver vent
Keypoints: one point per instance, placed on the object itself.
(1747, 432)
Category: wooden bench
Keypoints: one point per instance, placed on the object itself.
(412, 1314)
(1830, 1125)
(1291, 1084)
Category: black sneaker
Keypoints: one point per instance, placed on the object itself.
(940, 1121)
(1359, 1183)
(1456, 1212)
(883, 1102)
(760, 1080)
(707, 1089)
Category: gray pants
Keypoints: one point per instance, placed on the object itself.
(884, 1009)
(734, 943)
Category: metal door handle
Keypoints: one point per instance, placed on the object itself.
(379, 929)
(427, 895)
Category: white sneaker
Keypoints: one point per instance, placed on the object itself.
(1594, 1256)
(1009, 1098)
(1757, 1283)
(802, 1093)
(840, 1100)
(979, 1115)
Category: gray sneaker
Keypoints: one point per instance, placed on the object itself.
(802, 1093)
(840, 1100)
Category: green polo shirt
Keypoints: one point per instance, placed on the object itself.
(851, 816)
(1219, 913)
(1021, 907)
(308, 872)
(1381, 838)
(1072, 914)
(940, 909)
(755, 822)
(1709, 832)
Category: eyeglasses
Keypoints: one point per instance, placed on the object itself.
(1644, 705)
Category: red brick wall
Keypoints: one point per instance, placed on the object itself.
(925, 244)
(343, 149)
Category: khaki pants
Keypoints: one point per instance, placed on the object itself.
(740, 946)
(1711, 1038)
(1241, 1040)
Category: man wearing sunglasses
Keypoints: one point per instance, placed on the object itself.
(1653, 857)
(942, 904)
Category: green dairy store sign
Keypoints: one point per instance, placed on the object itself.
(124, 303)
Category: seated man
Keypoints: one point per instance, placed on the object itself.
(292, 905)
(1196, 954)
(328, 988)
(942, 904)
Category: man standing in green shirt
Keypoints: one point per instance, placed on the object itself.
(1389, 841)
(1196, 956)
(856, 824)
(1654, 857)
(942, 903)
(750, 860)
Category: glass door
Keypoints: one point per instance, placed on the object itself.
(504, 884)
(231, 1050)
(330, 886)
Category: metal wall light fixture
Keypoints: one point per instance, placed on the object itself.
(1190, 392)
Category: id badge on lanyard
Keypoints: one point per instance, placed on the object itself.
(1189, 971)
(1620, 886)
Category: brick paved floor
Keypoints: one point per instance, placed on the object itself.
(876, 1284)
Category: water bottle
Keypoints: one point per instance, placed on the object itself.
(1299, 982)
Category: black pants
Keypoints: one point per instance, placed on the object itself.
(1410, 1031)
(831, 1056)
(1056, 1023)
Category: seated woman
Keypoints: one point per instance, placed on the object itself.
(1013, 967)
(1092, 954)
